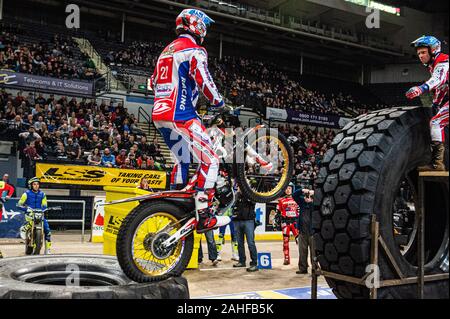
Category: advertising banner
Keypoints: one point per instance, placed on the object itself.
(34, 82)
(98, 221)
(293, 116)
(98, 176)
(12, 219)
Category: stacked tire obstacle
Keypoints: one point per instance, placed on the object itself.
(79, 277)
(360, 176)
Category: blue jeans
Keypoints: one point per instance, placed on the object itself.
(246, 228)
(47, 231)
(212, 249)
(223, 229)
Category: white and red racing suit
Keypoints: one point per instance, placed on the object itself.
(438, 85)
(181, 71)
(5, 190)
(289, 211)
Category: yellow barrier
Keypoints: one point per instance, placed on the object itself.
(98, 176)
(115, 214)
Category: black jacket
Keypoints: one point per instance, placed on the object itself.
(244, 209)
(304, 223)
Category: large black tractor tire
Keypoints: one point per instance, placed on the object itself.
(100, 277)
(125, 239)
(360, 176)
(247, 190)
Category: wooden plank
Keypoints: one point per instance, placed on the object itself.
(353, 280)
(375, 229)
(420, 216)
(315, 272)
(413, 280)
(391, 257)
(434, 174)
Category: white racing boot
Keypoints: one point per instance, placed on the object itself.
(206, 219)
(23, 231)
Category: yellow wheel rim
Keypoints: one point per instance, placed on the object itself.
(284, 154)
(143, 256)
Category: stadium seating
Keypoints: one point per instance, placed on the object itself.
(38, 45)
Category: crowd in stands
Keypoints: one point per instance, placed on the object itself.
(243, 80)
(78, 130)
(140, 54)
(53, 57)
(310, 146)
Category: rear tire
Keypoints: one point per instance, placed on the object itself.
(125, 240)
(360, 176)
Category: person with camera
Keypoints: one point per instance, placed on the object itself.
(304, 199)
(244, 225)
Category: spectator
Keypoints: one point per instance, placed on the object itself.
(144, 184)
(85, 143)
(212, 249)
(154, 149)
(41, 148)
(153, 165)
(127, 164)
(143, 146)
(304, 199)
(73, 150)
(132, 158)
(29, 136)
(244, 225)
(95, 158)
(5, 179)
(120, 159)
(108, 159)
(60, 150)
(31, 152)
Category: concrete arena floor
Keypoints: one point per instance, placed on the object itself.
(207, 281)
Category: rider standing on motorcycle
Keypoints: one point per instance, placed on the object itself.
(429, 52)
(9, 190)
(288, 211)
(181, 71)
(34, 198)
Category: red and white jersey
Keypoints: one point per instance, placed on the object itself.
(181, 71)
(288, 207)
(438, 83)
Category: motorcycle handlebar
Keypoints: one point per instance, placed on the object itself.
(222, 111)
(56, 208)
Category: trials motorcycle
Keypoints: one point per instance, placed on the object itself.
(156, 239)
(34, 238)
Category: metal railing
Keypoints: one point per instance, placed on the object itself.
(80, 221)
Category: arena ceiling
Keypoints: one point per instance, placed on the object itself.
(160, 14)
(432, 6)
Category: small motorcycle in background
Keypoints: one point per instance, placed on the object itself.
(34, 237)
